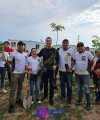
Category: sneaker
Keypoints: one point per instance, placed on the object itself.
(32, 100)
(51, 101)
(79, 102)
(88, 107)
(37, 100)
(19, 101)
(11, 108)
(44, 98)
(3, 91)
(61, 99)
(69, 104)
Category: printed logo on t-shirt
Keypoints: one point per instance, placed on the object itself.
(83, 57)
(68, 54)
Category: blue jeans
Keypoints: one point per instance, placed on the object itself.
(34, 80)
(83, 80)
(3, 75)
(66, 77)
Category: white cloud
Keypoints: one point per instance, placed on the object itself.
(91, 15)
(30, 19)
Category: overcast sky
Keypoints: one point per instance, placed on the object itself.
(30, 19)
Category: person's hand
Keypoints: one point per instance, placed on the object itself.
(92, 68)
(69, 69)
(28, 69)
(98, 72)
(54, 67)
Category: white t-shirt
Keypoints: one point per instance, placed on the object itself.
(34, 63)
(82, 62)
(65, 58)
(3, 57)
(20, 61)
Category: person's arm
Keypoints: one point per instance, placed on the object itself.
(40, 54)
(98, 72)
(27, 66)
(6, 56)
(72, 63)
(10, 58)
(92, 59)
(41, 62)
(94, 63)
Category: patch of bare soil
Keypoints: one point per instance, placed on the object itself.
(70, 113)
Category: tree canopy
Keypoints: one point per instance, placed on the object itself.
(57, 27)
(96, 42)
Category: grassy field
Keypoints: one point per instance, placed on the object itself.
(69, 113)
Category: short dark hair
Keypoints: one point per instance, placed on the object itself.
(33, 49)
(6, 42)
(65, 40)
(20, 43)
(80, 44)
(49, 38)
(87, 47)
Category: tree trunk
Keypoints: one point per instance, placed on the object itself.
(57, 39)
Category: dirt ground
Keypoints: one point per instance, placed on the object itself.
(70, 113)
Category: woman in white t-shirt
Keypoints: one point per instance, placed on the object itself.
(33, 64)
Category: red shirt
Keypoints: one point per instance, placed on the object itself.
(9, 50)
(97, 66)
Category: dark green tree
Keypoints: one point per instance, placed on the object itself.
(96, 42)
(57, 28)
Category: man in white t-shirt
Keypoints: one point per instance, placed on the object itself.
(19, 61)
(65, 70)
(81, 58)
(34, 64)
(3, 58)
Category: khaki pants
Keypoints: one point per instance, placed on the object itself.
(16, 84)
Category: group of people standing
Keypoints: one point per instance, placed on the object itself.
(46, 63)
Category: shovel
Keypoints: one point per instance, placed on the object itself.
(27, 100)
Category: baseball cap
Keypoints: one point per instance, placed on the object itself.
(80, 44)
(65, 40)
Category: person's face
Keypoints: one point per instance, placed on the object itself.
(87, 49)
(65, 45)
(48, 43)
(21, 47)
(6, 45)
(80, 48)
(34, 53)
